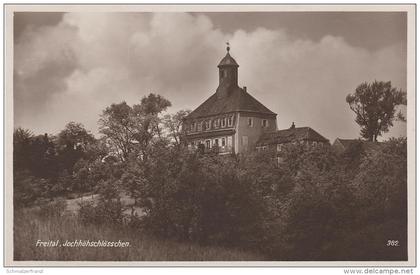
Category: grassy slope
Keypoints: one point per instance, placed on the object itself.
(29, 228)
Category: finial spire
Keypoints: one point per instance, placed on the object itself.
(228, 46)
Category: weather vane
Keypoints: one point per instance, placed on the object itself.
(228, 46)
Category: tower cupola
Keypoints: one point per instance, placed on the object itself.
(228, 73)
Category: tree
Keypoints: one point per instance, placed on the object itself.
(74, 136)
(74, 143)
(375, 105)
(148, 121)
(117, 125)
(173, 124)
(22, 146)
(129, 129)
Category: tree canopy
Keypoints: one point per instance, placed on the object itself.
(375, 105)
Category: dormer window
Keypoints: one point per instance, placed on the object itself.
(223, 122)
(216, 123)
(229, 122)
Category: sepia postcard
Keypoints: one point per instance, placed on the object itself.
(209, 135)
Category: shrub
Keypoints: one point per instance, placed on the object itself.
(204, 199)
(108, 212)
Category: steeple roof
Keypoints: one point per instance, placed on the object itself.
(229, 97)
(228, 61)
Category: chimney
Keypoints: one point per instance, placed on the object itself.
(244, 88)
(293, 125)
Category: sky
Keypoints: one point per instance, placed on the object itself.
(71, 66)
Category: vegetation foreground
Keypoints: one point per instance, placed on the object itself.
(310, 203)
(30, 227)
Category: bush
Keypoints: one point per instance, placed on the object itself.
(204, 199)
(27, 189)
(108, 212)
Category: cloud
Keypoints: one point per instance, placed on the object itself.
(73, 70)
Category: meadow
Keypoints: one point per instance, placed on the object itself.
(30, 227)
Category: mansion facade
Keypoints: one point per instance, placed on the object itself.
(232, 120)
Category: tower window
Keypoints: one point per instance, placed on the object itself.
(250, 122)
(225, 73)
(264, 123)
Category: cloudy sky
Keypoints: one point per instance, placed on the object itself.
(70, 66)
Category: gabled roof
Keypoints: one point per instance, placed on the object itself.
(237, 100)
(228, 61)
(290, 135)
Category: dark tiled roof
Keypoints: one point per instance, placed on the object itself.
(237, 100)
(290, 135)
(228, 61)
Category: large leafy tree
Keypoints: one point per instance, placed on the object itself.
(74, 142)
(173, 124)
(375, 105)
(75, 136)
(132, 128)
(117, 125)
(148, 120)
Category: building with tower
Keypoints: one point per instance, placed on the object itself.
(233, 121)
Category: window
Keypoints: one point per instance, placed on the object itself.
(192, 126)
(208, 144)
(223, 142)
(279, 147)
(200, 126)
(229, 121)
(250, 122)
(224, 122)
(216, 142)
(207, 124)
(225, 73)
(264, 123)
(216, 123)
